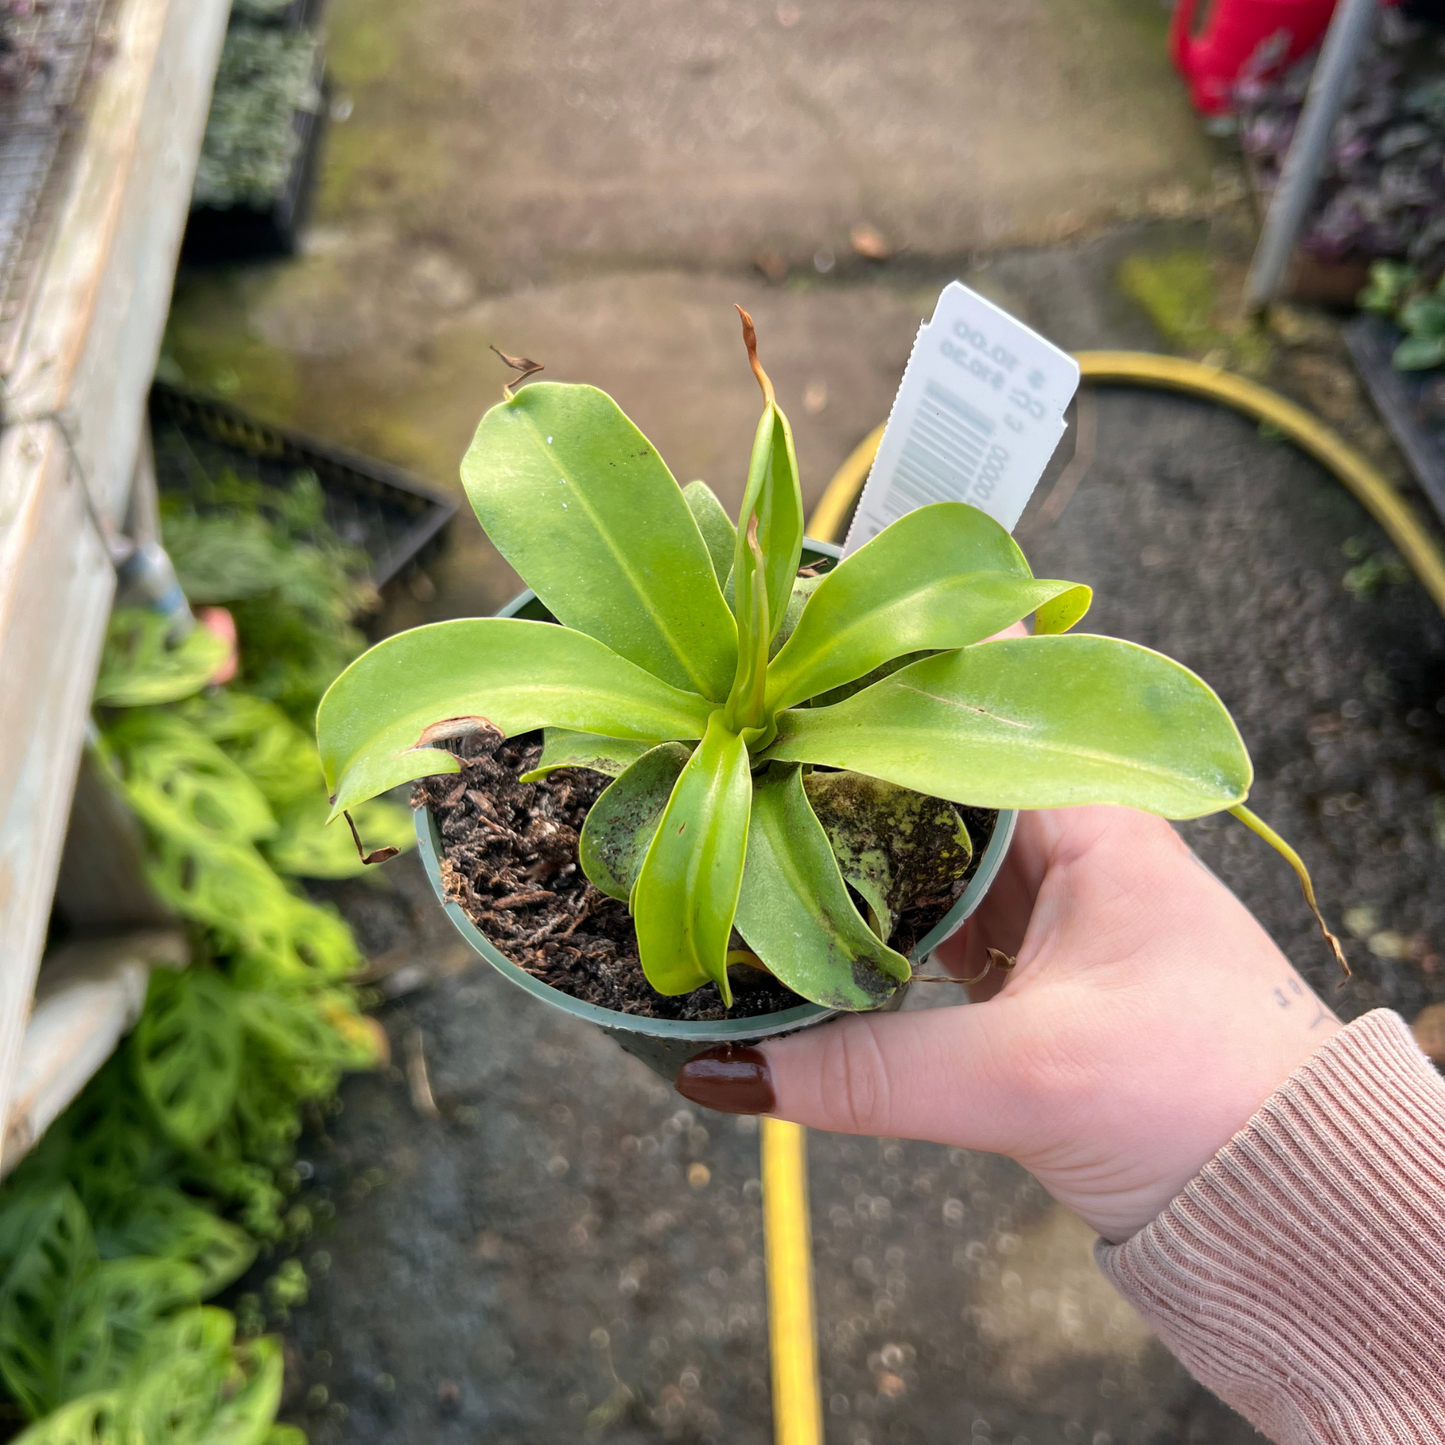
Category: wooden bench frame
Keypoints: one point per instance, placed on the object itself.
(74, 416)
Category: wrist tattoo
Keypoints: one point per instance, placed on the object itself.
(1293, 991)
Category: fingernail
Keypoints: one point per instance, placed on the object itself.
(733, 1079)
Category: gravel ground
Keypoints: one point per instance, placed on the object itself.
(570, 1252)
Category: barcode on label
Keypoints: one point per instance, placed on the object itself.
(976, 418)
(946, 450)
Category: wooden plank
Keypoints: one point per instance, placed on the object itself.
(89, 996)
(56, 584)
(75, 404)
(90, 343)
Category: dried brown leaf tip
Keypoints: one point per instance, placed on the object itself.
(1258, 826)
(523, 364)
(997, 959)
(379, 856)
(750, 340)
(448, 728)
(1001, 960)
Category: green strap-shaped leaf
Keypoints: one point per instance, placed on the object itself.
(187, 1050)
(795, 912)
(895, 847)
(563, 748)
(1063, 610)
(620, 825)
(715, 525)
(773, 496)
(803, 589)
(580, 503)
(887, 669)
(373, 723)
(1036, 722)
(943, 576)
(745, 700)
(687, 891)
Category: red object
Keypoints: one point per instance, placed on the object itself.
(1242, 38)
(219, 622)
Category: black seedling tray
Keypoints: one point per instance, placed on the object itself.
(1399, 396)
(297, 15)
(376, 508)
(238, 233)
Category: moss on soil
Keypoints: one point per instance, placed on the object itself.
(1178, 290)
(386, 155)
(211, 346)
(1178, 293)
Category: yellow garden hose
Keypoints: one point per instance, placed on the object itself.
(839, 495)
(797, 1400)
(792, 1333)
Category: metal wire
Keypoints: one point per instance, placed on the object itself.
(49, 61)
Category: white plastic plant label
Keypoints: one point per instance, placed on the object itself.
(976, 419)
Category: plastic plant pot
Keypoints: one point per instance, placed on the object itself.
(664, 1045)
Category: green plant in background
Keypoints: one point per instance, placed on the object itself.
(1372, 570)
(156, 1188)
(716, 717)
(1416, 305)
(140, 665)
(266, 75)
(268, 554)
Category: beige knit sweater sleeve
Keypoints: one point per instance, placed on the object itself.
(1301, 1274)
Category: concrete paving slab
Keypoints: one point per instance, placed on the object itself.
(529, 140)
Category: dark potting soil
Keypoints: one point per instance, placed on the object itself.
(509, 858)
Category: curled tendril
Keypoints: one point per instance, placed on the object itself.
(522, 364)
(997, 958)
(380, 855)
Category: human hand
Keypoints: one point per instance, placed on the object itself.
(1148, 1017)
